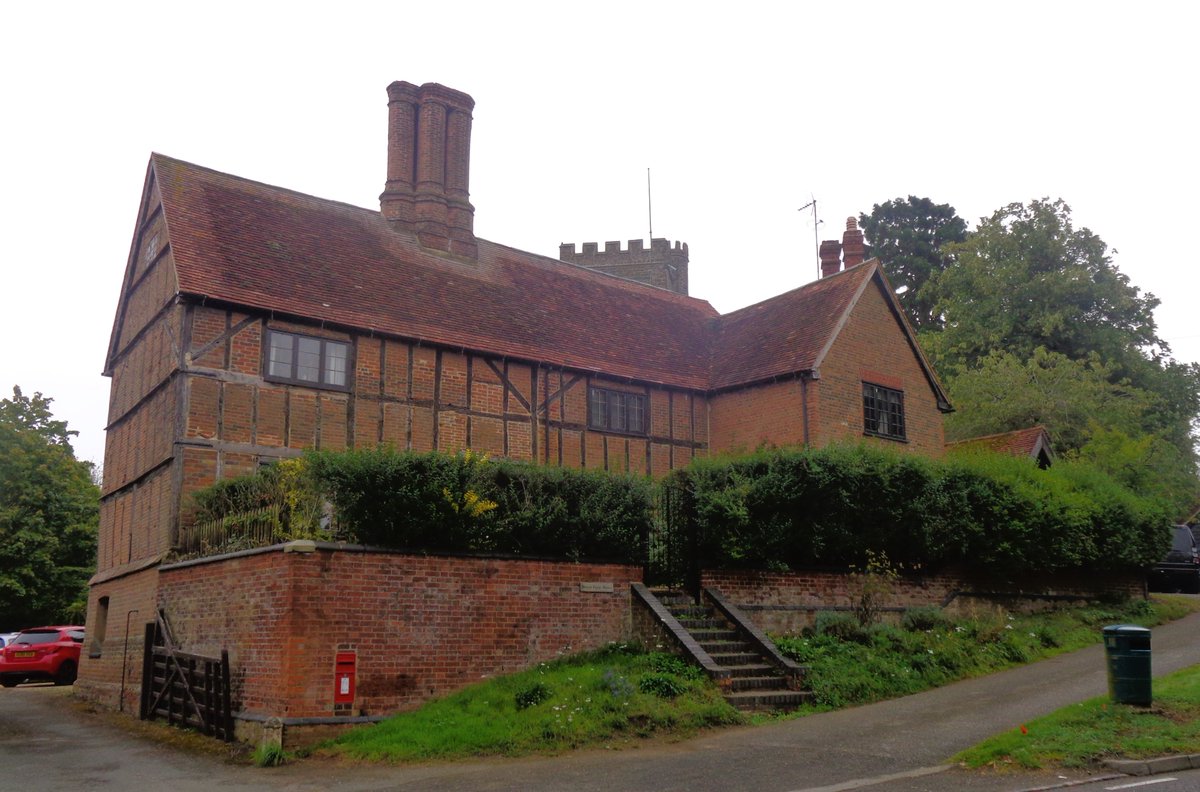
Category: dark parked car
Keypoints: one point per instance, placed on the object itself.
(1180, 570)
(50, 653)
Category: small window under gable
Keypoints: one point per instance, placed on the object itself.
(307, 360)
(616, 411)
(883, 412)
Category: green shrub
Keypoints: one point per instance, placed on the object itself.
(465, 502)
(617, 685)
(1011, 648)
(531, 695)
(836, 624)
(285, 488)
(1046, 637)
(675, 665)
(924, 618)
(986, 628)
(270, 756)
(1141, 608)
(795, 508)
(662, 685)
(778, 509)
(448, 502)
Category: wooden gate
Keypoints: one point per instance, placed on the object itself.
(186, 689)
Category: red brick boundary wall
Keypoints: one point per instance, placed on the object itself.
(417, 627)
(786, 602)
(110, 666)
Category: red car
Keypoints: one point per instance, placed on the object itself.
(50, 653)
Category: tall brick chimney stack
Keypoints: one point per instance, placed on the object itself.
(831, 257)
(852, 244)
(429, 156)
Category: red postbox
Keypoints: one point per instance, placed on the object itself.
(343, 678)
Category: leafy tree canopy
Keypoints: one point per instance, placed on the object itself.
(1029, 322)
(1091, 413)
(1004, 392)
(1148, 465)
(1027, 278)
(907, 236)
(49, 510)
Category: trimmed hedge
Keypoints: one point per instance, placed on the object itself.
(781, 509)
(449, 503)
(787, 509)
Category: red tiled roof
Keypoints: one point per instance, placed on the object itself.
(276, 250)
(266, 248)
(1020, 442)
(787, 333)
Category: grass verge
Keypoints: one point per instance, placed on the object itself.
(850, 664)
(608, 697)
(622, 694)
(1082, 735)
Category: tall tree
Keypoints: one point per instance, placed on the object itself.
(1027, 278)
(907, 236)
(49, 511)
(1091, 414)
(1003, 392)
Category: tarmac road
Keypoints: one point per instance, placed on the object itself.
(893, 746)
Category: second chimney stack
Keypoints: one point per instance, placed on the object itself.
(836, 256)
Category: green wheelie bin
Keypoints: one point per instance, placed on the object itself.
(1127, 652)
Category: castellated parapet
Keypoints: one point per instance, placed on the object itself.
(663, 265)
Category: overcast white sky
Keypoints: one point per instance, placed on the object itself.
(743, 112)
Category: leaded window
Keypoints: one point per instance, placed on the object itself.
(883, 411)
(306, 360)
(616, 411)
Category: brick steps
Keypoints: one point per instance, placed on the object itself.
(739, 659)
(773, 700)
(751, 681)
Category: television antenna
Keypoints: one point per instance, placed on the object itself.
(649, 205)
(816, 242)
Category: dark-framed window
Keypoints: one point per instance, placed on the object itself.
(307, 360)
(883, 411)
(616, 411)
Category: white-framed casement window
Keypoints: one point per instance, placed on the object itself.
(307, 360)
(883, 411)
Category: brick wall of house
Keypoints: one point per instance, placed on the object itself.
(421, 626)
(145, 363)
(141, 438)
(786, 602)
(410, 396)
(764, 415)
(138, 505)
(131, 600)
(136, 521)
(872, 348)
(150, 287)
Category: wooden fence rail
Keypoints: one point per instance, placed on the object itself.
(253, 528)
